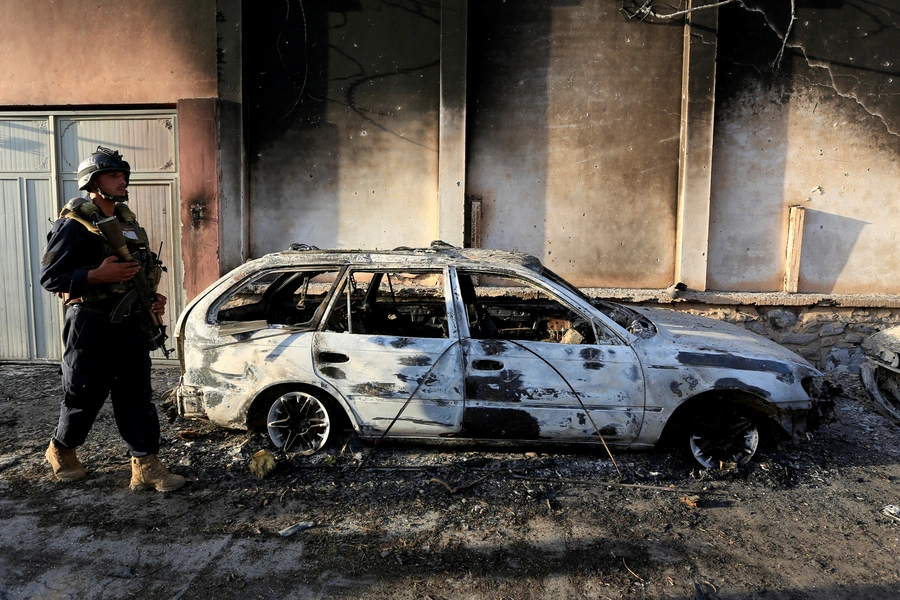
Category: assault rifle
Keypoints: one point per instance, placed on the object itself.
(140, 290)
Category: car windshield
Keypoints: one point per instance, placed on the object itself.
(625, 317)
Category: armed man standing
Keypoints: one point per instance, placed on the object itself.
(111, 322)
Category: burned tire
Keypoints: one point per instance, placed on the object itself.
(722, 435)
(299, 422)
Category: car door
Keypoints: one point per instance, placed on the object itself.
(391, 347)
(252, 331)
(539, 367)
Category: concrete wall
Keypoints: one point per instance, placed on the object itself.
(343, 112)
(574, 127)
(106, 52)
(820, 129)
(572, 132)
(573, 137)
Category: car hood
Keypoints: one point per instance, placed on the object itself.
(696, 334)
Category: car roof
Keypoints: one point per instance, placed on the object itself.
(438, 253)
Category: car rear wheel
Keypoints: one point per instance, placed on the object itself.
(723, 435)
(299, 422)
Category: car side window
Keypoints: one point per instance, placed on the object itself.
(284, 297)
(507, 308)
(394, 303)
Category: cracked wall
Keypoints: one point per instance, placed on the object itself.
(819, 129)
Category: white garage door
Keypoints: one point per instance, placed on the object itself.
(39, 157)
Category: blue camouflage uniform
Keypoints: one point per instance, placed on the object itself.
(101, 359)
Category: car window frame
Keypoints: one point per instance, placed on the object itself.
(337, 292)
(313, 324)
(560, 294)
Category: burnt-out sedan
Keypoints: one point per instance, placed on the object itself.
(451, 344)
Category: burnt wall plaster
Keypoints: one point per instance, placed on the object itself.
(342, 104)
(573, 137)
(819, 129)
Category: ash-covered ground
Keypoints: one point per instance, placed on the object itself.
(419, 522)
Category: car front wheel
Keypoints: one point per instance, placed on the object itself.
(299, 422)
(722, 436)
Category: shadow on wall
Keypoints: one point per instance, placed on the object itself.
(828, 241)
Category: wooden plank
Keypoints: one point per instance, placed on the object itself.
(794, 246)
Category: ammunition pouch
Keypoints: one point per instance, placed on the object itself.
(86, 212)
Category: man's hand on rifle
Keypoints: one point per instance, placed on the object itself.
(159, 305)
(113, 270)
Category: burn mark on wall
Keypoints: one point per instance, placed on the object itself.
(500, 423)
(818, 55)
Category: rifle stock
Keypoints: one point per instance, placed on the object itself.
(140, 288)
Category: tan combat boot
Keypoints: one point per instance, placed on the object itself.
(148, 473)
(66, 465)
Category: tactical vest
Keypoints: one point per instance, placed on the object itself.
(86, 212)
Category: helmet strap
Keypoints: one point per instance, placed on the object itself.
(100, 193)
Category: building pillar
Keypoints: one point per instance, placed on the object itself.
(695, 159)
(452, 144)
(198, 178)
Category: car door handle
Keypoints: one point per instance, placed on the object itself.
(487, 365)
(332, 357)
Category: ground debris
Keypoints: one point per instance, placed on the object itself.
(427, 522)
(892, 511)
(261, 463)
(692, 501)
(296, 528)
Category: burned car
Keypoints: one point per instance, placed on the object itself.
(472, 345)
(881, 372)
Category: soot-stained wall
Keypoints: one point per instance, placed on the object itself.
(573, 137)
(342, 102)
(819, 129)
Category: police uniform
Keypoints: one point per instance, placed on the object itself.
(102, 358)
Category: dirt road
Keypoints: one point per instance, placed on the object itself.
(432, 523)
